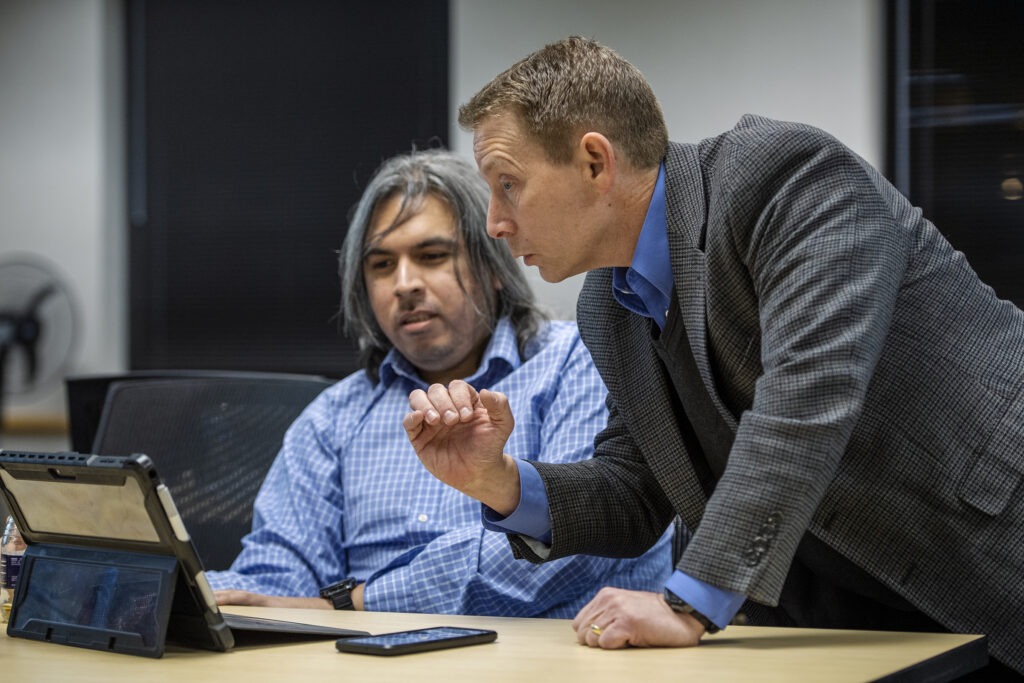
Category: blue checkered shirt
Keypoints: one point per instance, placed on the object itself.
(347, 495)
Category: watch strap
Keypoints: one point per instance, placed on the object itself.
(340, 594)
(679, 605)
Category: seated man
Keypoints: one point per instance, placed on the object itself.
(347, 505)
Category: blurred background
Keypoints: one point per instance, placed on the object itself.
(175, 175)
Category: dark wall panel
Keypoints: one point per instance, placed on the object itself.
(254, 126)
(957, 127)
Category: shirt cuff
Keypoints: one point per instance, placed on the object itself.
(717, 604)
(530, 518)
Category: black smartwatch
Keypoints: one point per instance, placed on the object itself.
(340, 594)
(679, 605)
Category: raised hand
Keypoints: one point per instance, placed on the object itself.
(459, 435)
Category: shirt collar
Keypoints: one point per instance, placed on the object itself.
(500, 358)
(651, 261)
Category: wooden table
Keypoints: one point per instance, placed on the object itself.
(527, 651)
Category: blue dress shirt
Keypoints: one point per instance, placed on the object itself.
(347, 495)
(644, 288)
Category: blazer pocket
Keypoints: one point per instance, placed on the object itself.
(995, 475)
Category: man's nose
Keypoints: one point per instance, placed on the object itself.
(408, 277)
(498, 223)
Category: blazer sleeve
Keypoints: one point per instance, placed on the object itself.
(826, 259)
(610, 505)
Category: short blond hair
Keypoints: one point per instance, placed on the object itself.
(571, 87)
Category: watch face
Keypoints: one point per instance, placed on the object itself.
(679, 605)
(343, 586)
(676, 603)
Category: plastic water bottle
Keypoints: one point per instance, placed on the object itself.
(12, 549)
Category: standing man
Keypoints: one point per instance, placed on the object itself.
(346, 510)
(799, 365)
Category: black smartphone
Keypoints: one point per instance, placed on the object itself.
(418, 640)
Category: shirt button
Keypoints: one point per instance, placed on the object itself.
(421, 517)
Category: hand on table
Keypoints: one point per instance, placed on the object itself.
(634, 618)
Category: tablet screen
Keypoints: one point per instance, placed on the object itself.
(83, 509)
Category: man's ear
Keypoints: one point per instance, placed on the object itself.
(597, 159)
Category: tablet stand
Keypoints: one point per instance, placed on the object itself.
(99, 599)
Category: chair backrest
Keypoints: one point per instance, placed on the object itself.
(86, 395)
(213, 436)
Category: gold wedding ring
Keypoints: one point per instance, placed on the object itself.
(596, 630)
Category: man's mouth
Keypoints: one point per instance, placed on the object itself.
(415, 320)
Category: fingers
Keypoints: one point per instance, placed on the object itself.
(498, 408)
(605, 632)
(453, 403)
(593, 609)
(602, 622)
(464, 399)
(590, 621)
(441, 404)
(588, 633)
(423, 411)
(413, 423)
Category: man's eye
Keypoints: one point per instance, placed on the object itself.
(434, 255)
(380, 264)
(507, 186)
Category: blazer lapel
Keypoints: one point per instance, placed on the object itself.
(686, 218)
(646, 405)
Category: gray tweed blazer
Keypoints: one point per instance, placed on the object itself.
(873, 381)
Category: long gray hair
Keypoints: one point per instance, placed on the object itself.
(449, 177)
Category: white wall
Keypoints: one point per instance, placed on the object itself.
(61, 102)
(709, 62)
(61, 170)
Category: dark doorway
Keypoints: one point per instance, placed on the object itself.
(254, 126)
(956, 143)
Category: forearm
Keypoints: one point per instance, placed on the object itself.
(500, 492)
(583, 500)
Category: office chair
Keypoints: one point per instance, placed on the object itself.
(212, 435)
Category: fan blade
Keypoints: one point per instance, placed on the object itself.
(30, 362)
(39, 298)
(8, 330)
(28, 328)
(4, 348)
